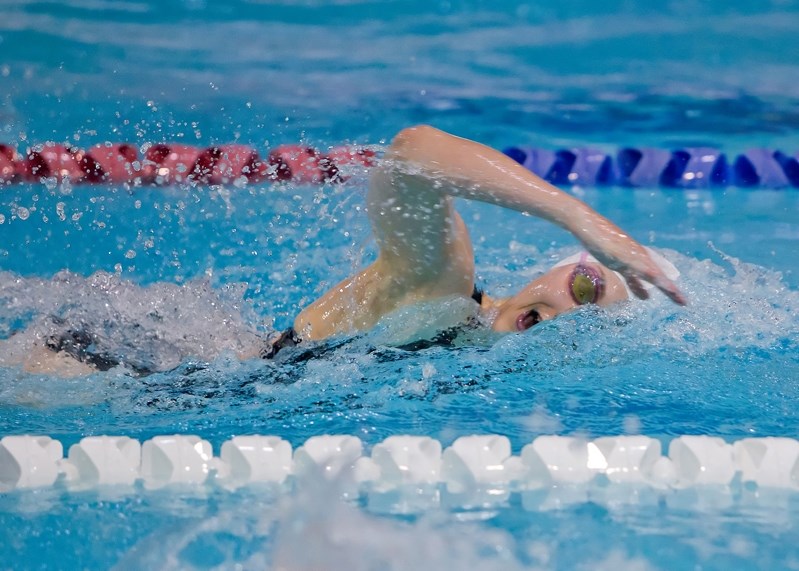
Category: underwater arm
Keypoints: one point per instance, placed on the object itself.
(429, 160)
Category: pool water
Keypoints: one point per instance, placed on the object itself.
(239, 262)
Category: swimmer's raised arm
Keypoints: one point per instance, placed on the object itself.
(424, 247)
(426, 160)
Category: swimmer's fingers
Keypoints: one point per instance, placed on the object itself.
(654, 275)
(671, 290)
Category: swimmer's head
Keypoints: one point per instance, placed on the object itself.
(575, 281)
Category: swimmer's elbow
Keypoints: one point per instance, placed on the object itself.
(408, 142)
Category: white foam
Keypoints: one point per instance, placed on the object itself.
(154, 328)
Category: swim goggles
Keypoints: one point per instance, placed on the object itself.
(585, 283)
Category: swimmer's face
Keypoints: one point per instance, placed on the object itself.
(560, 290)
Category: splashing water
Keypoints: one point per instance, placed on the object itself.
(153, 328)
(651, 365)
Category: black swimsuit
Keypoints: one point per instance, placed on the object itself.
(289, 337)
(80, 344)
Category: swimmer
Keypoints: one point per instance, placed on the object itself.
(425, 254)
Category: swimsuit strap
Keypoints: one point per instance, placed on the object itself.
(477, 295)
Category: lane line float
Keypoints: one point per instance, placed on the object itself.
(171, 163)
(236, 164)
(470, 465)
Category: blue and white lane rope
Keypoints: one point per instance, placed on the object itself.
(687, 168)
(469, 464)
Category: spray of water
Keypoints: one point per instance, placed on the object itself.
(153, 328)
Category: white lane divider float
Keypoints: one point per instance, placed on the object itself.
(254, 459)
(483, 463)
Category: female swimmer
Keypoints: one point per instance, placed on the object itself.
(425, 252)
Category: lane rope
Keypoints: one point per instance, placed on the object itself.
(168, 164)
(686, 168)
(470, 465)
(235, 164)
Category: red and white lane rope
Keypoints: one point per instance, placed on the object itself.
(165, 164)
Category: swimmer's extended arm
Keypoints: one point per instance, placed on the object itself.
(426, 160)
(424, 248)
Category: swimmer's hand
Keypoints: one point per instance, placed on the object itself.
(619, 252)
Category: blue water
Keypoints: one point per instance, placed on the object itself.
(609, 74)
